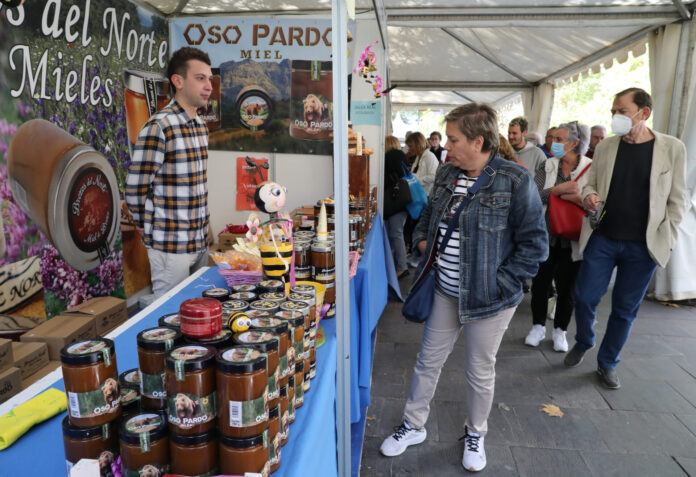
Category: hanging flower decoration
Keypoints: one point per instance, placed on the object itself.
(366, 68)
(255, 230)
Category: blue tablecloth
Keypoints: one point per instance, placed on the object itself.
(311, 449)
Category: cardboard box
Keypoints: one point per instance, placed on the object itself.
(61, 331)
(29, 357)
(6, 358)
(45, 370)
(227, 240)
(10, 383)
(108, 312)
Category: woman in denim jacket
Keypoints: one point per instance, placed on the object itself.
(498, 243)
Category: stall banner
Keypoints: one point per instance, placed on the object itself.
(63, 61)
(366, 112)
(274, 81)
(250, 173)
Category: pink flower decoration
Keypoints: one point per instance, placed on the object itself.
(254, 231)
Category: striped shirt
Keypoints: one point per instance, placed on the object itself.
(167, 183)
(448, 262)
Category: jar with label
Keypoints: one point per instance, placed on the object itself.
(130, 390)
(284, 416)
(303, 270)
(171, 320)
(145, 93)
(220, 341)
(200, 317)
(291, 400)
(244, 296)
(269, 307)
(242, 392)
(153, 344)
(190, 384)
(195, 455)
(353, 228)
(91, 382)
(311, 100)
(130, 379)
(96, 442)
(279, 328)
(268, 286)
(219, 294)
(303, 308)
(254, 108)
(324, 268)
(295, 321)
(244, 287)
(241, 455)
(211, 113)
(230, 307)
(310, 300)
(278, 297)
(274, 437)
(144, 445)
(299, 385)
(268, 344)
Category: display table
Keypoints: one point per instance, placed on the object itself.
(311, 449)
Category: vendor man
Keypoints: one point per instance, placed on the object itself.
(167, 184)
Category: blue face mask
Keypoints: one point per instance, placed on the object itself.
(557, 149)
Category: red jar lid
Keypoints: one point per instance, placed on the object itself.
(200, 308)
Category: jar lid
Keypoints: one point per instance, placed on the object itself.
(263, 340)
(301, 245)
(74, 432)
(271, 285)
(299, 367)
(88, 352)
(294, 317)
(304, 288)
(135, 428)
(257, 314)
(135, 81)
(191, 357)
(274, 325)
(193, 440)
(306, 297)
(200, 308)
(284, 390)
(130, 378)
(322, 247)
(219, 294)
(244, 287)
(354, 219)
(274, 412)
(272, 296)
(264, 305)
(244, 296)
(301, 306)
(159, 339)
(240, 360)
(243, 443)
(219, 340)
(235, 305)
(172, 320)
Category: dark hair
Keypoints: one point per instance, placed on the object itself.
(477, 119)
(178, 63)
(521, 122)
(641, 98)
(435, 133)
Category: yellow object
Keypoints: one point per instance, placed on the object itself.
(276, 258)
(238, 322)
(23, 417)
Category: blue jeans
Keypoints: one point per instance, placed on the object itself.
(634, 270)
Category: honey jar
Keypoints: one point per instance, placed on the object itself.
(145, 93)
(144, 445)
(153, 343)
(195, 455)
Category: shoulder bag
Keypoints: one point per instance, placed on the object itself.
(419, 198)
(419, 301)
(396, 198)
(565, 218)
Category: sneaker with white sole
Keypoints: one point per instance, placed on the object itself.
(474, 458)
(560, 343)
(404, 436)
(536, 334)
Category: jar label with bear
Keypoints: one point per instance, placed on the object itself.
(152, 385)
(155, 469)
(187, 410)
(249, 413)
(106, 459)
(95, 403)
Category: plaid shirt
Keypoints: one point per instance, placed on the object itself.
(167, 183)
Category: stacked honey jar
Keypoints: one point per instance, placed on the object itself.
(216, 389)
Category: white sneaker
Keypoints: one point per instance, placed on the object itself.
(474, 458)
(403, 436)
(536, 334)
(559, 340)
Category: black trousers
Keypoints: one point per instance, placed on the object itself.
(561, 268)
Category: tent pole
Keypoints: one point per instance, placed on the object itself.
(679, 80)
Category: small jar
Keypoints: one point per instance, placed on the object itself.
(190, 384)
(267, 343)
(295, 321)
(279, 328)
(303, 267)
(299, 385)
(274, 437)
(144, 445)
(306, 298)
(220, 341)
(269, 307)
(250, 454)
(130, 379)
(353, 225)
(268, 286)
(91, 382)
(277, 297)
(219, 294)
(130, 400)
(234, 306)
(244, 296)
(153, 344)
(324, 268)
(96, 442)
(242, 392)
(291, 400)
(196, 455)
(171, 320)
(244, 287)
(257, 314)
(200, 317)
(284, 416)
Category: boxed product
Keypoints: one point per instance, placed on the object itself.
(108, 312)
(227, 240)
(6, 358)
(10, 383)
(61, 331)
(29, 357)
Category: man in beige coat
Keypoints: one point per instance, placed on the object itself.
(636, 190)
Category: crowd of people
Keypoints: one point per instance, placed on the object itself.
(523, 222)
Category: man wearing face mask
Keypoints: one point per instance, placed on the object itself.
(636, 187)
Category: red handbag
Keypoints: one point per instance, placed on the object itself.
(565, 218)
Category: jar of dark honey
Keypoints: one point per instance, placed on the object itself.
(96, 442)
(144, 445)
(195, 455)
(241, 455)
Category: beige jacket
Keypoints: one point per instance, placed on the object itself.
(667, 191)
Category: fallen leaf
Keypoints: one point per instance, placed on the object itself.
(552, 410)
(370, 418)
(666, 303)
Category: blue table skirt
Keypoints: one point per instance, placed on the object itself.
(311, 449)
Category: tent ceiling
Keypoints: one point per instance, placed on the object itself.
(443, 53)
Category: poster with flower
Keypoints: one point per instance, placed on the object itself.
(63, 61)
(250, 173)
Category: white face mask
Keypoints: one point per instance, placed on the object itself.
(622, 124)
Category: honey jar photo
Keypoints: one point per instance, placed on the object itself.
(145, 93)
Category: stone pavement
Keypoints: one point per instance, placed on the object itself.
(646, 428)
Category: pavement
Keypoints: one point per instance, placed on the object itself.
(646, 428)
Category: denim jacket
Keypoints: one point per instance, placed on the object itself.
(502, 238)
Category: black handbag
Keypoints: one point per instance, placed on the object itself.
(396, 198)
(419, 302)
